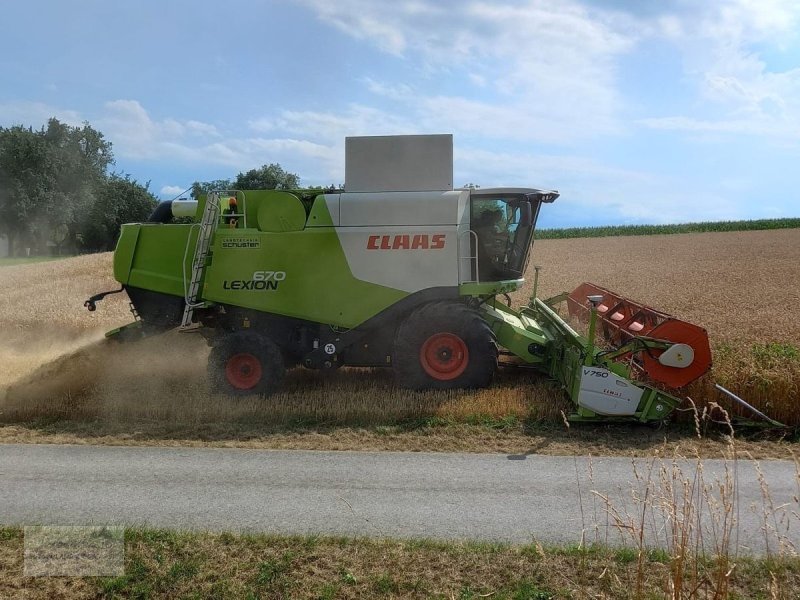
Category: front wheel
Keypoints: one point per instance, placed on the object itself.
(245, 363)
(444, 345)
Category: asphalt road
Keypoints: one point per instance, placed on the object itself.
(378, 494)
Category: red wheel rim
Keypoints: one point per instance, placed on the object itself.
(243, 371)
(444, 356)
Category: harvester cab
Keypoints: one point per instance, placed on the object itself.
(400, 270)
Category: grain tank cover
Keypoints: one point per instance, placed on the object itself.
(399, 163)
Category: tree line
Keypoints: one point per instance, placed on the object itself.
(267, 177)
(58, 194)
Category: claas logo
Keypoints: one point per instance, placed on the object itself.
(406, 242)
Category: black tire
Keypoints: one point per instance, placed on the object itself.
(444, 345)
(245, 363)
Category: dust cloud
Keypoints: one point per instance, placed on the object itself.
(93, 377)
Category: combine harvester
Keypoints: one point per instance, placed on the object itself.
(397, 270)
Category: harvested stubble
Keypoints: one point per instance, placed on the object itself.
(163, 379)
(741, 286)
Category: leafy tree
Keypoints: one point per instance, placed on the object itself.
(268, 177)
(119, 200)
(55, 189)
(23, 183)
(200, 188)
(80, 157)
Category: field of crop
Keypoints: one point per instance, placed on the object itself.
(700, 227)
(744, 287)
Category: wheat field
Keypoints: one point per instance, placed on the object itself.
(744, 287)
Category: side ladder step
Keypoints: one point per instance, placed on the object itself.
(208, 224)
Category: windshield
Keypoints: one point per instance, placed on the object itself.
(503, 227)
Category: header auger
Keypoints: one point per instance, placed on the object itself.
(670, 351)
(410, 280)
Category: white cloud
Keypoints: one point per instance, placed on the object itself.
(723, 47)
(332, 128)
(199, 128)
(546, 63)
(359, 19)
(390, 90)
(757, 127)
(172, 190)
(137, 135)
(36, 114)
(591, 188)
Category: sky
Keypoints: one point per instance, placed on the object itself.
(639, 111)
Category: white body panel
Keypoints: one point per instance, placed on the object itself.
(399, 162)
(409, 241)
(399, 208)
(387, 256)
(605, 393)
(332, 202)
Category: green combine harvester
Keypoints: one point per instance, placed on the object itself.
(397, 270)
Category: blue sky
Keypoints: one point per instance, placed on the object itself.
(638, 112)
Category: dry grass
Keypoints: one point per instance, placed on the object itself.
(164, 564)
(57, 367)
(692, 517)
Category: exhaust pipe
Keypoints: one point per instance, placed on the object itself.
(169, 209)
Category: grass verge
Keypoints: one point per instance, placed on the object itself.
(168, 564)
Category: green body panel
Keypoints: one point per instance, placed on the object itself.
(319, 216)
(125, 251)
(489, 288)
(515, 331)
(318, 285)
(152, 256)
(281, 213)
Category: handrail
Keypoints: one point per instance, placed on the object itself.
(470, 257)
(236, 193)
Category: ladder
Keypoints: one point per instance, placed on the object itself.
(207, 226)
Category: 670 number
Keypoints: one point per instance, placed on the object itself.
(269, 275)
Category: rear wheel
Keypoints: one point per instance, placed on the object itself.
(444, 345)
(245, 363)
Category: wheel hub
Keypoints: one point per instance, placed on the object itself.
(243, 371)
(444, 356)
